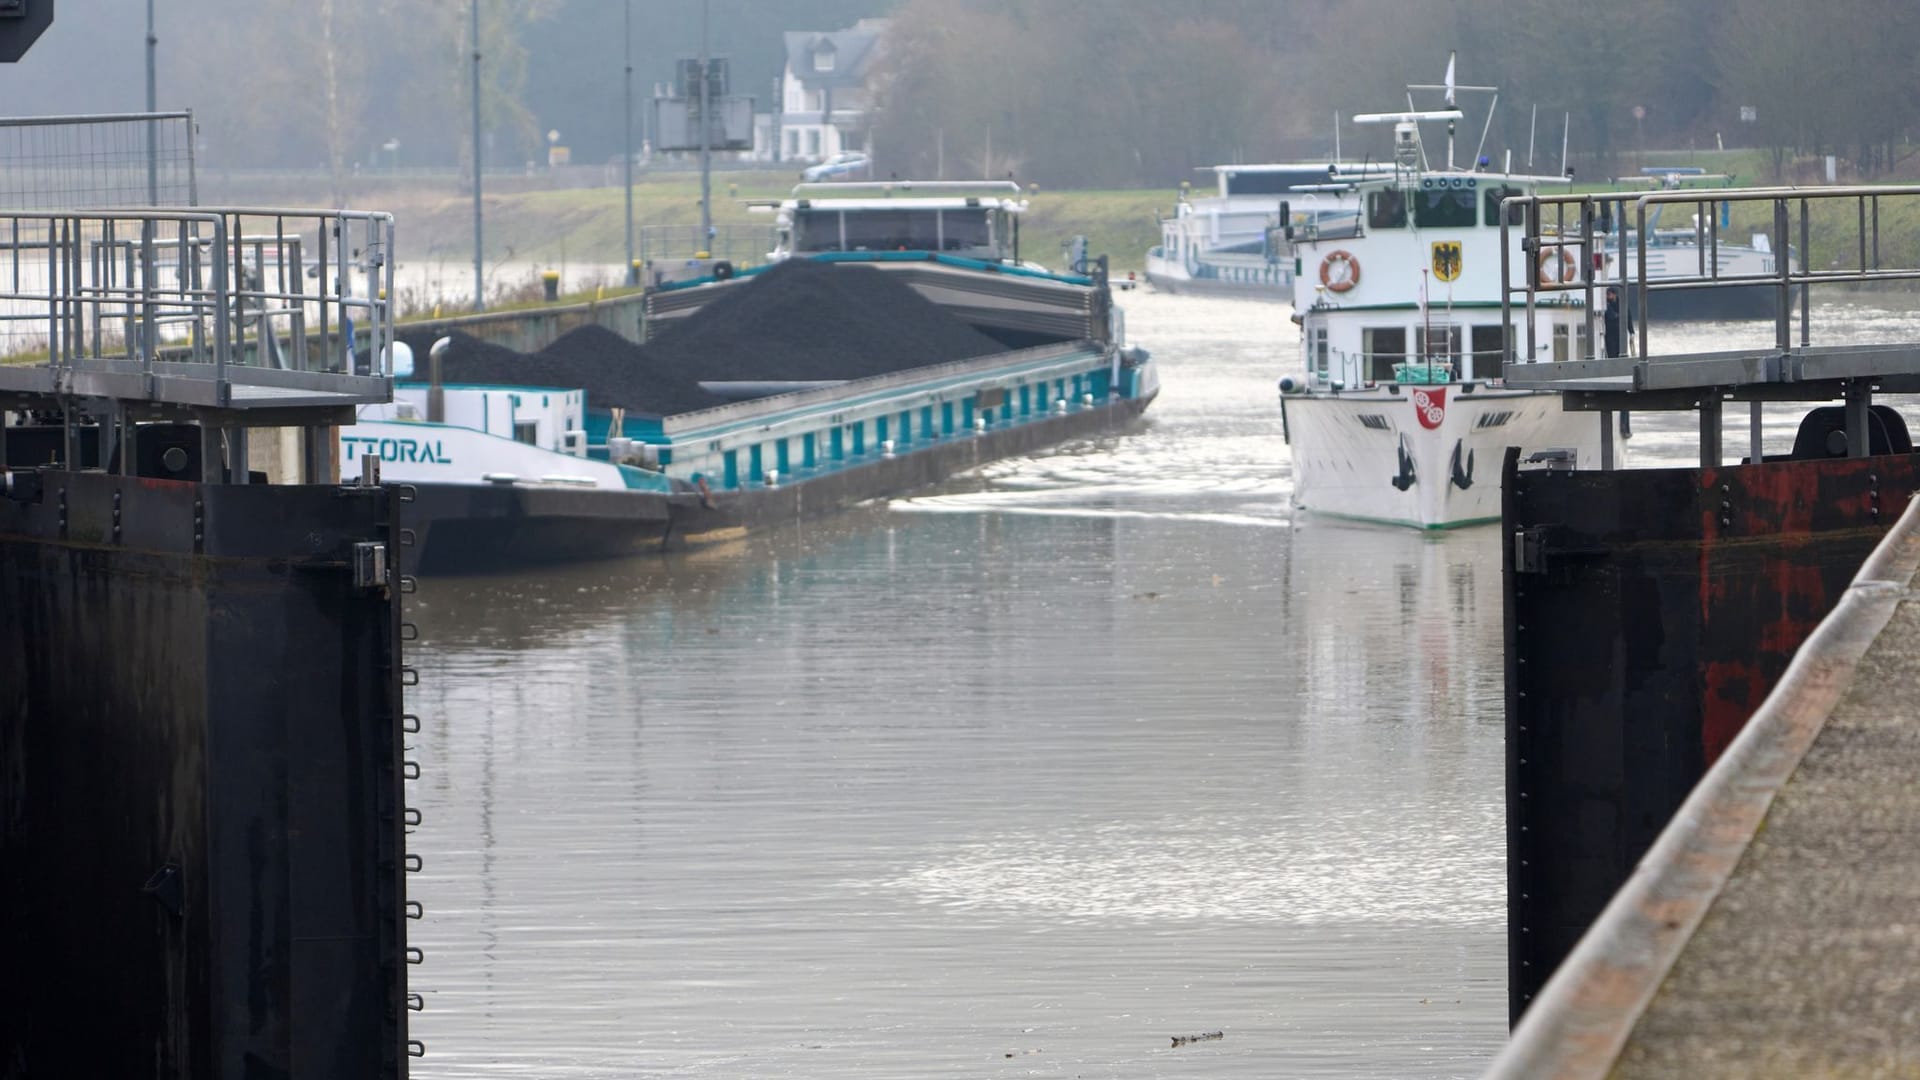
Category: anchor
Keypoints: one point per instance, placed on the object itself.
(1405, 478)
(1462, 480)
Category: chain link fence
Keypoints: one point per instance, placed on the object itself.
(97, 162)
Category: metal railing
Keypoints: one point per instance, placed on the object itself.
(185, 305)
(107, 159)
(744, 245)
(1567, 238)
(1363, 368)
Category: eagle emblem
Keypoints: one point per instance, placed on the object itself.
(1446, 259)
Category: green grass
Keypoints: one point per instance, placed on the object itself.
(589, 224)
(1121, 225)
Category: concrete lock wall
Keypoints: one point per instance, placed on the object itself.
(529, 330)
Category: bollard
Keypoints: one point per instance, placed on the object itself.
(550, 284)
(436, 394)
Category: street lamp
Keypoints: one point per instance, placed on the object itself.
(626, 145)
(706, 135)
(153, 137)
(479, 281)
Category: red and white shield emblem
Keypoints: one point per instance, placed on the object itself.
(1430, 405)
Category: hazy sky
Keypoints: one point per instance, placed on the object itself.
(93, 58)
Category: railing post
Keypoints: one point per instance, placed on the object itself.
(1640, 272)
(1529, 257)
(1506, 288)
(1586, 277)
(222, 298)
(1783, 274)
(1806, 299)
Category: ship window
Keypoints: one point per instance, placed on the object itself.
(1569, 342)
(1386, 209)
(1490, 345)
(891, 230)
(1516, 214)
(1385, 346)
(961, 230)
(1445, 208)
(526, 431)
(1437, 342)
(1273, 181)
(1320, 356)
(816, 230)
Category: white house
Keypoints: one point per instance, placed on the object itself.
(825, 91)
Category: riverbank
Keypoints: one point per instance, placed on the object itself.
(575, 217)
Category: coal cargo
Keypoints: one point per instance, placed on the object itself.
(797, 321)
(809, 320)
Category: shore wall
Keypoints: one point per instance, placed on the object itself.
(528, 330)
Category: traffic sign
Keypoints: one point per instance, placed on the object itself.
(21, 24)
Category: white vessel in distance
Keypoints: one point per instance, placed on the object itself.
(1233, 243)
(1700, 249)
(1400, 415)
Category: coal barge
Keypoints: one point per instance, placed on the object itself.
(894, 341)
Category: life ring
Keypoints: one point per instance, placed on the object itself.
(1557, 266)
(1339, 271)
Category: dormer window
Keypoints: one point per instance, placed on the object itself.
(823, 57)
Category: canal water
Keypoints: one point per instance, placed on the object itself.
(1061, 771)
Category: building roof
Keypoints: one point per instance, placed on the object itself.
(854, 51)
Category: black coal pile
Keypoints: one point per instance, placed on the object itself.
(798, 321)
(608, 367)
(811, 320)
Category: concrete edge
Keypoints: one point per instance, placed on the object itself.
(1587, 1011)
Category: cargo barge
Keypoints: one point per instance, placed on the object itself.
(894, 340)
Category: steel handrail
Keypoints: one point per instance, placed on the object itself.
(1785, 278)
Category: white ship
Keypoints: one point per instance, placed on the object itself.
(1234, 243)
(1400, 415)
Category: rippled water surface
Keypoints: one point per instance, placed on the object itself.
(1027, 776)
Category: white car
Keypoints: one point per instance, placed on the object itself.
(842, 166)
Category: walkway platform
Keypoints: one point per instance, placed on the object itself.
(1774, 928)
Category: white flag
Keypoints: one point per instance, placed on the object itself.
(1449, 79)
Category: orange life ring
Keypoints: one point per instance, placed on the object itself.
(1556, 266)
(1339, 271)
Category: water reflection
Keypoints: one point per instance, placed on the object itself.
(1022, 777)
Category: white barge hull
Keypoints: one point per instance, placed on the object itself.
(1422, 456)
(1246, 277)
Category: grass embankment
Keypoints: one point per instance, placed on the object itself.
(588, 225)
